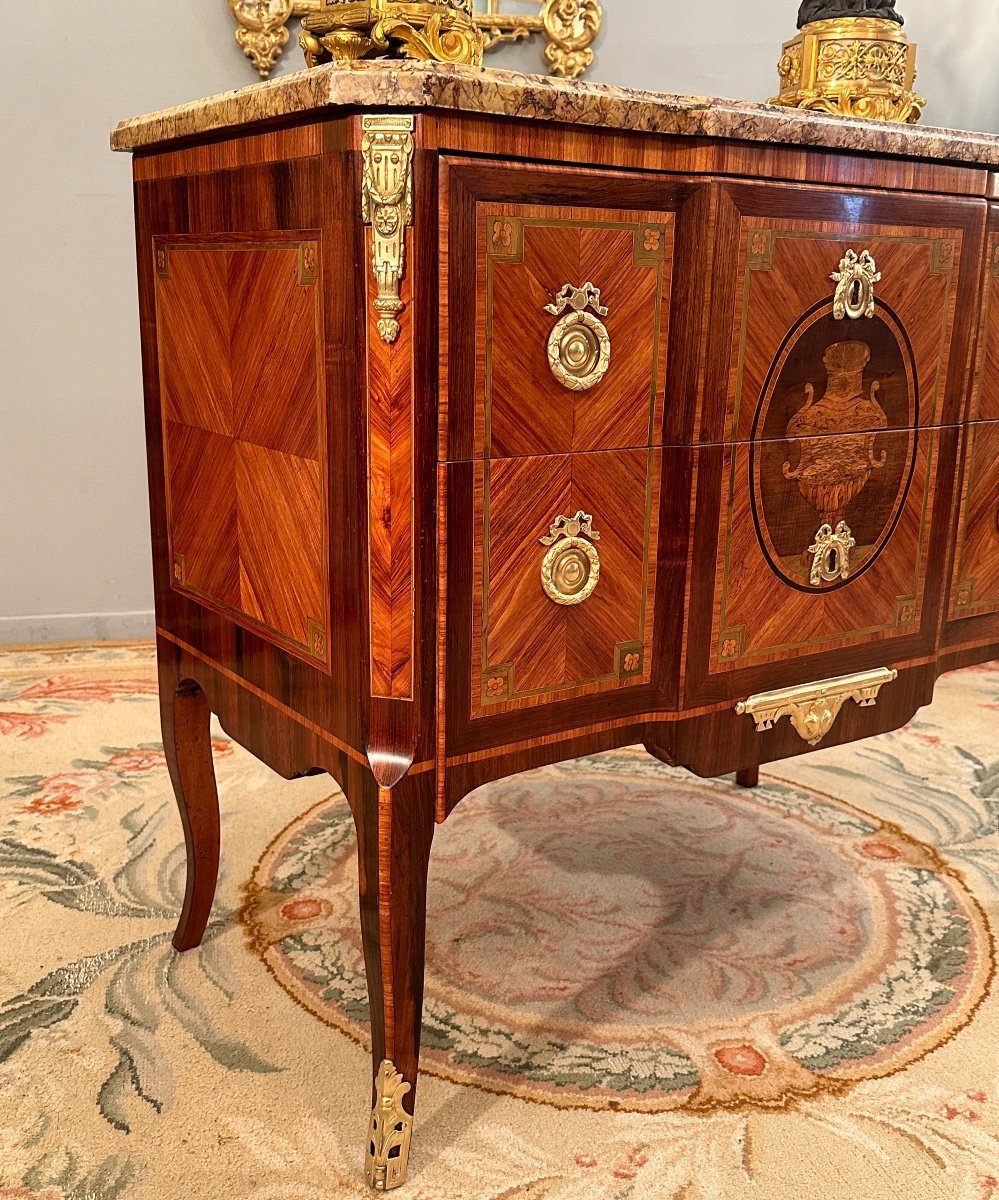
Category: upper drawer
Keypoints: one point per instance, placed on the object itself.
(556, 309)
(985, 396)
(838, 312)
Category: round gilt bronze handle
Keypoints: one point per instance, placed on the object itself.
(570, 570)
(579, 351)
(579, 348)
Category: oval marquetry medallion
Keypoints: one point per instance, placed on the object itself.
(834, 444)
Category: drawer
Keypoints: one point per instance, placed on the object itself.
(800, 270)
(816, 556)
(557, 310)
(563, 578)
(985, 401)
(975, 588)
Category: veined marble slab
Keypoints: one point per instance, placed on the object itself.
(416, 85)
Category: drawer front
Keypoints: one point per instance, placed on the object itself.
(975, 590)
(557, 313)
(813, 269)
(564, 575)
(985, 400)
(813, 550)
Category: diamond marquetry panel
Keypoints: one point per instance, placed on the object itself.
(238, 326)
(985, 401)
(202, 483)
(195, 341)
(280, 542)
(266, 283)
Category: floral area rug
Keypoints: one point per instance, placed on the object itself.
(640, 986)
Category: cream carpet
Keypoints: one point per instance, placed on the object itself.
(641, 986)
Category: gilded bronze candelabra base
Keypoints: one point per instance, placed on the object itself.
(851, 67)
(439, 30)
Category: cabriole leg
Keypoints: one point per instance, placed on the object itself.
(185, 719)
(394, 833)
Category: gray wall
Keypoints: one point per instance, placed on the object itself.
(74, 552)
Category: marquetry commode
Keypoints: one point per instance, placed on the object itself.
(496, 420)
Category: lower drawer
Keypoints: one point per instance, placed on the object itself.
(817, 558)
(563, 577)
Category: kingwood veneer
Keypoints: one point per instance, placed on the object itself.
(413, 527)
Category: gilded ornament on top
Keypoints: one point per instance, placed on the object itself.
(850, 60)
(451, 31)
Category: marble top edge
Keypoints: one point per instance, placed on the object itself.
(382, 84)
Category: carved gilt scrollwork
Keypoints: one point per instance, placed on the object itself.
(855, 282)
(427, 30)
(579, 348)
(262, 30)
(571, 26)
(453, 31)
(570, 571)
(387, 206)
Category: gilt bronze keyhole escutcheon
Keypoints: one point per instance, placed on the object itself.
(579, 348)
(855, 280)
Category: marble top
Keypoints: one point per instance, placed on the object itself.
(415, 85)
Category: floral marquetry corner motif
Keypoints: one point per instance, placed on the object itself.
(905, 611)
(944, 256)
(308, 262)
(760, 256)
(965, 594)
(505, 237)
(497, 685)
(629, 659)
(317, 639)
(179, 573)
(650, 245)
(732, 644)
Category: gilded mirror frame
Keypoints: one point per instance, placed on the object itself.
(569, 28)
